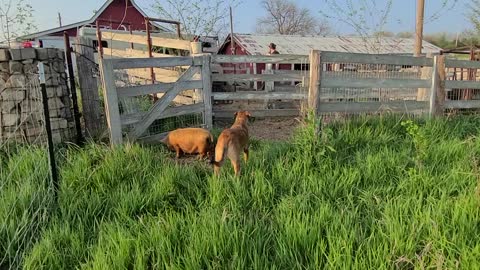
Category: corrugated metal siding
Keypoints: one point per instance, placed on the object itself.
(258, 44)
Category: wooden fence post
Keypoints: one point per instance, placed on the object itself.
(91, 105)
(111, 102)
(425, 74)
(437, 91)
(207, 90)
(314, 85)
(269, 85)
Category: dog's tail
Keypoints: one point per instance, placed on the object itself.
(220, 153)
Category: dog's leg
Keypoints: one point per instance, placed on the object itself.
(236, 166)
(216, 167)
(245, 154)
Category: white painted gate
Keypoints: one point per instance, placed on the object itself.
(197, 76)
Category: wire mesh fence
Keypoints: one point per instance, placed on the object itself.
(462, 74)
(22, 145)
(27, 198)
(133, 108)
(372, 100)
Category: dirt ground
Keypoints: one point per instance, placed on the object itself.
(278, 129)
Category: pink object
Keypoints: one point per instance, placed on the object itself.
(27, 44)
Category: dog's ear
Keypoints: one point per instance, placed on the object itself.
(247, 113)
(235, 114)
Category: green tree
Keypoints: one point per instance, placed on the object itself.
(16, 18)
(442, 40)
(383, 34)
(405, 35)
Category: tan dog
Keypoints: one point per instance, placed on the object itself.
(191, 141)
(232, 142)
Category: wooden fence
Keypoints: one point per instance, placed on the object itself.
(416, 85)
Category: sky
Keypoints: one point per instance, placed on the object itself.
(402, 16)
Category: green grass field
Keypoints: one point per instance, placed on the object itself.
(383, 193)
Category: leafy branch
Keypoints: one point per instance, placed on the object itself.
(16, 18)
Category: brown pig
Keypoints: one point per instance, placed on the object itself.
(190, 141)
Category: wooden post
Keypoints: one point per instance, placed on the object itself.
(255, 71)
(314, 85)
(232, 40)
(111, 103)
(437, 91)
(292, 67)
(179, 34)
(269, 85)
(196, 49)
(207, 90)
(419, 27)
(92, 108)
(441, 92)
(131, 33)
(149, 48)
(425, 74)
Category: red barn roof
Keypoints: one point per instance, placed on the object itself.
(109, 15)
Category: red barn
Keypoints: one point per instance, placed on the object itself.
(110, 15)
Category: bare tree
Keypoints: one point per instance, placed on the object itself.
(445, 6)
(285, 17)
(197, 17)
(474, 14)
(366, 17)
(15, 19)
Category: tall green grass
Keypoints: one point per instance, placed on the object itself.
(376, 193)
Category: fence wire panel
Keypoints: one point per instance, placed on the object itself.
(133, 108)
(462, 74)
(372, 100)
(26, 197)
